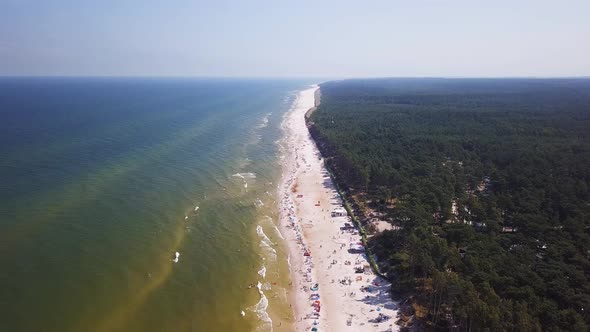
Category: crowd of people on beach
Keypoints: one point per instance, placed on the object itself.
(331, 257)
(289, 214)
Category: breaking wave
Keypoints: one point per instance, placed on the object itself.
(260, 310)
(266, 244)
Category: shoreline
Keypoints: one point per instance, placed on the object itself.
(320, 250)
(317, 95)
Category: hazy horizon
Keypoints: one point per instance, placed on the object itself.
(320, 79)
(263, 39)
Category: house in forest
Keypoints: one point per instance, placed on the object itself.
(484, 186)
(480, 225)
(509, 229)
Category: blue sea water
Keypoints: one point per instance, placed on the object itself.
(99, 183)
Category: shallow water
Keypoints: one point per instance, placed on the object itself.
(99, 183)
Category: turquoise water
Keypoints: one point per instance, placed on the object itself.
(99, 180)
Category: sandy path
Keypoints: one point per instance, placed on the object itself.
(307, 198)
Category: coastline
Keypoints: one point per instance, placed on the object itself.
(317, 95)
(320, 251)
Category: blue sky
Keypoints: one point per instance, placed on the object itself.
(283, 38)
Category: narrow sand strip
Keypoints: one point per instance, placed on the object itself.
(346, 300)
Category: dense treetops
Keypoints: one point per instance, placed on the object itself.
(489, 181)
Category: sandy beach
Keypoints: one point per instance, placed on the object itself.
(333, 286)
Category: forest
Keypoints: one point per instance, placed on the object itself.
(487, 183)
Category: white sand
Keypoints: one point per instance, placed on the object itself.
(307, 226)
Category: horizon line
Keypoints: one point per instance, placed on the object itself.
(296, 77)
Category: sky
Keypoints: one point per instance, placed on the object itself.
(287, 38)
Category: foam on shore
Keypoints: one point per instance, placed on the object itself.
(260, 310)
(266, 244)
(246, 175)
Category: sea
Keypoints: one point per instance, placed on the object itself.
(142, 204)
